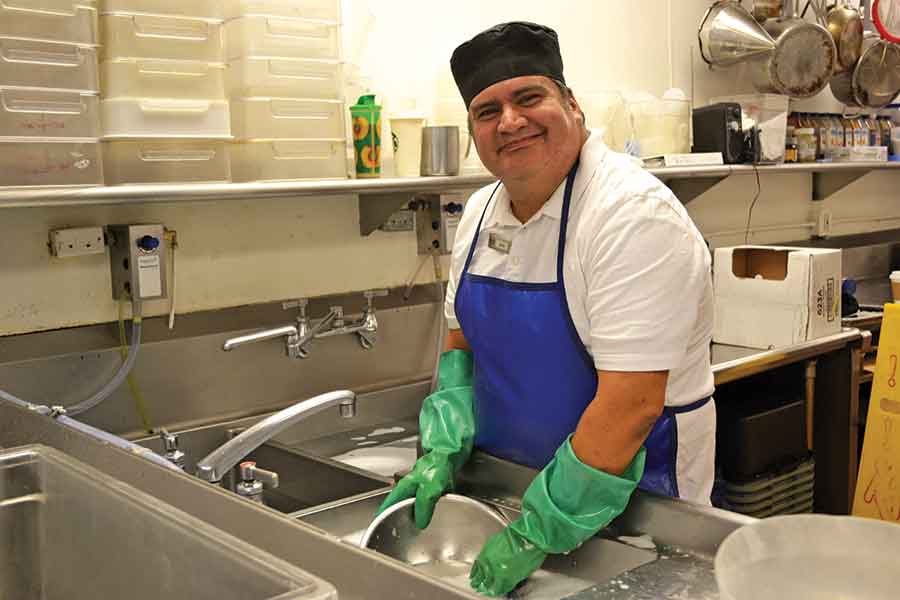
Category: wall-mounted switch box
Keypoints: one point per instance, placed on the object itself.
(437, 218)
(77, 241)
(137, 261)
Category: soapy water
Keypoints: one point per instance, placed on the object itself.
(386, 431)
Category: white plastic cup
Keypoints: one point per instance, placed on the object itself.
(406, 134)
(895, 285)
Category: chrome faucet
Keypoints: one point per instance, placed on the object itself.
(298, 336)
(221, 460)
(170, 446)
(366, 328)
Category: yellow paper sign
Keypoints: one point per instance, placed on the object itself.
(878, 484)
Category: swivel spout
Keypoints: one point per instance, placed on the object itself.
(215, 465)
(296, 336)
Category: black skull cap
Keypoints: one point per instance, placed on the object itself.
(504, 51)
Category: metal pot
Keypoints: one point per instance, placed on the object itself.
(459, 529)
(802, 62)
(846, 27)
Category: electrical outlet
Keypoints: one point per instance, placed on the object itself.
(402, 220)
(823, 223)
(77, 241)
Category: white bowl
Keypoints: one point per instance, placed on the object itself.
(810, 557)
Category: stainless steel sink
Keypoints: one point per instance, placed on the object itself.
(71, 531)
(305, 479)
(598, 560)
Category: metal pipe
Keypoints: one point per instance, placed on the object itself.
(810, 402)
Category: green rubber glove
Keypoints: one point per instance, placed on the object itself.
(566, 504)
(447, 431)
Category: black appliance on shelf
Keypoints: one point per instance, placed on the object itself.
(718, 128)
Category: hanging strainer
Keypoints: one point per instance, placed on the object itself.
(886, 16)
(876, 78)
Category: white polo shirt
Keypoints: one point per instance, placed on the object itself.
(636, 270)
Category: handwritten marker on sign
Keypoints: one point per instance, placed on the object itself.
(878, 485)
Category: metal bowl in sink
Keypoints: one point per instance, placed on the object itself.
(450, 544)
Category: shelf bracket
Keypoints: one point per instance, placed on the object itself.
(374, 209)
(688, 189)
(827, 184)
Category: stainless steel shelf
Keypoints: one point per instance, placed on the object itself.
(730, 363)
(687, 182)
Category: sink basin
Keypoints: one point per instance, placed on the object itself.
(71, 531)
(305, 480)
(597, 561)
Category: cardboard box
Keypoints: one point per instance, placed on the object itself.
(771, 296)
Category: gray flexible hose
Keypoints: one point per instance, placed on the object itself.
(123, 371)
(441, 339)
(23, 403)
(107, 389)
(95, 433)
(118, 442)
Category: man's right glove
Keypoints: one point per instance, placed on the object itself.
(447, 433)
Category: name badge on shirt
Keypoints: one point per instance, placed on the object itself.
(499, 244)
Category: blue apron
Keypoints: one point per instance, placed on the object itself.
(533, 376)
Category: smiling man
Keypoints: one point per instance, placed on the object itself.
(580, 314)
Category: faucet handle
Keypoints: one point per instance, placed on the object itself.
(370, 296)
(250, 472)
(299, 303)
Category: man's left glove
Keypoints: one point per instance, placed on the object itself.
(567, 503)
(447, 431)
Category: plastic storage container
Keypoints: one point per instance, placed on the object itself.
(285, 77)
(606, 111)
(78, 533)
(27, 63)
(771, 484)
(175, 38)
(163, 79)
(758, 437)
(288, 159)
(200, 9)
(292, 38)
(324, 10)
(787, 502)
(660, 127)
(275, 118)
(69, 21)
(50, 162)
(164, 118)
(165, 161)
(41, 113)
(769, 113)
